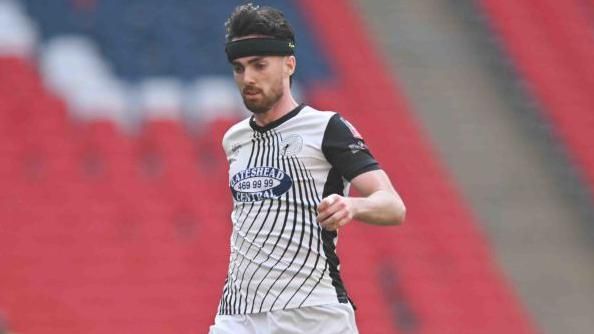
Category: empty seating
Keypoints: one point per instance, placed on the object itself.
(443, 274)
(550, 43)
(107, 231)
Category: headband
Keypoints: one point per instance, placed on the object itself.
(259, 47)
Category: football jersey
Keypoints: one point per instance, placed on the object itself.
(280, 256)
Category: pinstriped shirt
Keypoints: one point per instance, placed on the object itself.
(280, 257)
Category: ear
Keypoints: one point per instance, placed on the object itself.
(290, 64)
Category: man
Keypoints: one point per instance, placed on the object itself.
(289, 172)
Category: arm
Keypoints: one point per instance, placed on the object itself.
(379, 203)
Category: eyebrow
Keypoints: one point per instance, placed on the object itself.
(255, 60)
(251, 61)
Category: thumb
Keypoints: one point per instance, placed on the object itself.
(326, 202)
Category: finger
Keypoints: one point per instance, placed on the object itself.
(328, 225)
(327, 202)
(326, 209)
(334, 219)
(337, 220)
(324, 214)
(335, 225)
(323, 205)
(345, 220)
(325, 219)
(330, 228)
(328, 212)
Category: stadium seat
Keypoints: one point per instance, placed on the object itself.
(111, 229)
(550, 43)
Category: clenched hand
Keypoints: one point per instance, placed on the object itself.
(335, 211)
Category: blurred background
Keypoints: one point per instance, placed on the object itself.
(114, 206)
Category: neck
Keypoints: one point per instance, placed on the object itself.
(278, 110)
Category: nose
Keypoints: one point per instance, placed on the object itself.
(248, 76)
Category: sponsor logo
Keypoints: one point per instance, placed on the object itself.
(291, 145)
(259, 183)
(358, 146)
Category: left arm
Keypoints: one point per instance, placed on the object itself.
(379, 203)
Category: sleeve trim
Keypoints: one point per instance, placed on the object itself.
(363, 169)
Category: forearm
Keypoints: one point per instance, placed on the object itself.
(380, 208)
(379, 203)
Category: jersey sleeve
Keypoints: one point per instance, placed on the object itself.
(346, 150)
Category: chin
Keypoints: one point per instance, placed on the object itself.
(256, 109)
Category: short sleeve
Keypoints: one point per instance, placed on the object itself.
(346, 150)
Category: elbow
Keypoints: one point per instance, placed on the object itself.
(398, 213)
(401, 214)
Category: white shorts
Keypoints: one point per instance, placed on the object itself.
(327, 319)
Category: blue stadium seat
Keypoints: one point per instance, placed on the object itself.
(179, 38)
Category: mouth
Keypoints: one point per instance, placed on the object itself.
(251, 92)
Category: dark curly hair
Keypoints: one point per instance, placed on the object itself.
(250, 19)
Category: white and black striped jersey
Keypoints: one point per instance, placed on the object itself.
(280, 257)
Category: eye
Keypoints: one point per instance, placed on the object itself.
(238, 69)
(260, 65)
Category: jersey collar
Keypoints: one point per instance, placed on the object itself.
(277, 122)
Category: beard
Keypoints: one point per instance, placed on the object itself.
(265, 102)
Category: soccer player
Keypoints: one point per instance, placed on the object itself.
(290, 167)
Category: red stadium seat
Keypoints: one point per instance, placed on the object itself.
(550, 42)
(106, 232)
(439, 248)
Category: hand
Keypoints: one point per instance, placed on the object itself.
(335, 211)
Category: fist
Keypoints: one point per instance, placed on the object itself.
(334, 211)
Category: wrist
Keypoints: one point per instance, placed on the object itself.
(357, 207)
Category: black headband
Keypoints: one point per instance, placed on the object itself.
(259, 47)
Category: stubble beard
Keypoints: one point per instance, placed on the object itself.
(266, 102)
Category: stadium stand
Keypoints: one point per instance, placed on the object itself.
(108, 232)
(550, 44)
(443, 263)
(153, 38)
